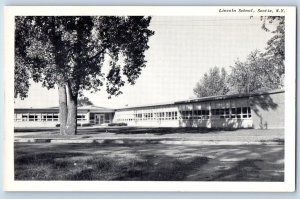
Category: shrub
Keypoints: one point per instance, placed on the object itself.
(118, 124)
(87, 124)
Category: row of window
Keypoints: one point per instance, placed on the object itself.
(240, 112)
(196, 114)
(38, 117)
(149, 116)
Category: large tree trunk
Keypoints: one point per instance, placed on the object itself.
(71, 126)
(63, 110)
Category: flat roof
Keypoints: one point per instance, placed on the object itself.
(232, 96)
(204, 99)
(91, 109)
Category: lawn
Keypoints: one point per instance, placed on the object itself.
(148, 162)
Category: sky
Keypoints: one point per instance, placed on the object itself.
(181, 51)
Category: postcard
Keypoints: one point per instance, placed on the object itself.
(150, 98)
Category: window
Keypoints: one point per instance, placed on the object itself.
(184, 114)
(241, 112)
(222, 111)
(233, 111)
(190, 114)
(168, 115)
(244, 111)
(206, 114)
(197, 114)
(249, 112)
(213, 111)
(50, 117)
(31, 117)
(55, 117)
(24, 117)
(44, 117)
(226, 113)
(18, 117)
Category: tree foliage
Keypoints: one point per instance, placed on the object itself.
(212, 83)
(253, 75)
(72, 49)
(275, 50)
(84, 101)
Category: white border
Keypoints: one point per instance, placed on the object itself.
(287, 186)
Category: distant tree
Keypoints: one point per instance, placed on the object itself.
(69, 51)
(212, 83)
(84, 101)
(261, 71)
(254, 75)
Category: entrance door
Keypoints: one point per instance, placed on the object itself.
(99, 118)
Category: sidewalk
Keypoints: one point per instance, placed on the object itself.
(155, 136)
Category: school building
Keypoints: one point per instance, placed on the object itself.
(49, 117)
(261, 110)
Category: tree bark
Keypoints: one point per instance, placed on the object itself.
(71, 126)
(63, 110)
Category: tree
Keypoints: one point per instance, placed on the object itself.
(254, 75)
(68, 52)
(275, 50)
(212, 83)
(84, 101)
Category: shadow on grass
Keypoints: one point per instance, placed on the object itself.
(148, 162)
(245, 170)
(71, 166)
(43, 157)
(248, 170)
(146, 168)
(42, 166)
(162, 168)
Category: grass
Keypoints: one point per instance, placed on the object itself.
(147, 162)
(103, 168)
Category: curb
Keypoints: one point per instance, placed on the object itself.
(145, 141)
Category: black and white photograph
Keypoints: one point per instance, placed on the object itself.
(155, 98)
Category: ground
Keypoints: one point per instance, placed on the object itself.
(146, 161)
